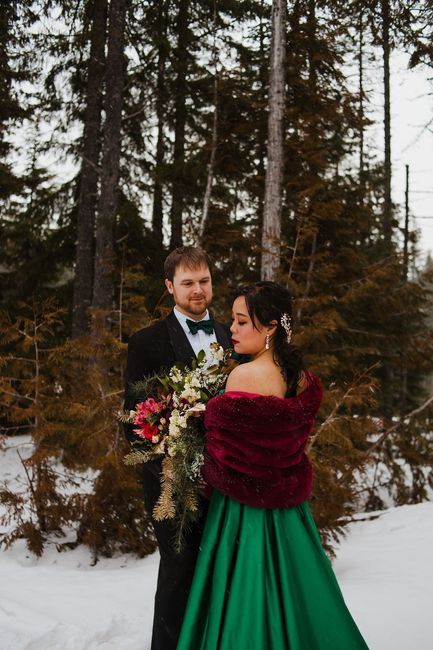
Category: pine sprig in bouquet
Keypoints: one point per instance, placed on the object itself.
(168, 424)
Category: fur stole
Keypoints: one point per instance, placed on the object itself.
(255, 446)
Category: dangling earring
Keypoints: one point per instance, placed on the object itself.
(267, 342)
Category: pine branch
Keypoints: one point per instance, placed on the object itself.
(30, 482)
(338, 404)
(404, 420)
(165, 507)
(138, 456)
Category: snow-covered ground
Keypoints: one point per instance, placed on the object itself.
(62, 602)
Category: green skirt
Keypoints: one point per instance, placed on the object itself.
(263, 582)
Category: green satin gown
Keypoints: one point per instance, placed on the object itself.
(263, 582)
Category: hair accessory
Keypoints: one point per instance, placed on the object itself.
(267, 342)
(286, 323)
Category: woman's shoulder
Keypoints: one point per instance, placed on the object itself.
(256, 378)
(251, 378)
(243, 378)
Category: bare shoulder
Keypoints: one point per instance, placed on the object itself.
(245, 377)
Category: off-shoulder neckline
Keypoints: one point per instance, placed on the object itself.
(242, 393)
(246, 392)
(284, 399)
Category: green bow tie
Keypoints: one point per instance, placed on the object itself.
(206, 325)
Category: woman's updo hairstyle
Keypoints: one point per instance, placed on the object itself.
(266, 302)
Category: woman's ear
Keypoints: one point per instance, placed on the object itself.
(271, 327)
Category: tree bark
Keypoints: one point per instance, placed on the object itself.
(388, 371)
(157, 210)
(179, 130)
(275, 164)
(261, 131)
(214, 140)
(211, 165)
(361, 104)
(84, 256)
(386, 47)
(103, 289)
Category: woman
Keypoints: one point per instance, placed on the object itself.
(262, 580)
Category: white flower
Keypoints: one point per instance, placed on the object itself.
(175, 374)
(197, 408)
(217, 351)
(173, 429)
(190, 394)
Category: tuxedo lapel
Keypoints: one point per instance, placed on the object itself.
(181, 346)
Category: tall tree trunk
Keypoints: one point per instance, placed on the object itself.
(388, 381)
(261, 131)
(211, 165)
(406, 228)
(84, 256)
(103, 289)
(361, 104)
(179, 129)
(214, 139)
(387, 204)
(157, 210)
(275, 164)
(314, 138)
(294, 66)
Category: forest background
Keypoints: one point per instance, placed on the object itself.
(241, 126)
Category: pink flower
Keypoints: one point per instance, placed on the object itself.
(149, 406)
(144, 411)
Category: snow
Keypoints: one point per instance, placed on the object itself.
(62, 601)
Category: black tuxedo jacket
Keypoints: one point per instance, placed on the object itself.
(156, 349)
(153, 350)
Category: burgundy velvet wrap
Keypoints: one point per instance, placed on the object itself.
(255, 446)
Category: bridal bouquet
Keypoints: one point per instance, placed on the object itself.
(167, 422)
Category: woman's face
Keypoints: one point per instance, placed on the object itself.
(246, 339)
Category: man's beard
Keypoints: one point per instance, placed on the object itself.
(196, 307)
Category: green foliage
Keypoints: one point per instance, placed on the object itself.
(66, 394)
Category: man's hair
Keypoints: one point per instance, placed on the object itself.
(190, 256)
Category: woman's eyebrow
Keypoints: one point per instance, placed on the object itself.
(239, 313)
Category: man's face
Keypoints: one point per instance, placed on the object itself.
(192, 290)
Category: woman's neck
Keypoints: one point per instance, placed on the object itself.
(263, 354)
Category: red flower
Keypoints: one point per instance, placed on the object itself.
(146, 431)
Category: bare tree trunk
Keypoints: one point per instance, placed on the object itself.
(275, 164)
(261, 132)
(180, 121)
(388, 370)
(387, 204)
(361, 103)
(214, 141)
(211, 165)
(84, 257)
(157, 211)
(406, 228)
(107, 207)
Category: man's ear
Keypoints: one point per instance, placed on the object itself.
(169, 286)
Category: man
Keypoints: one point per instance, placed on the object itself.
(179, 337)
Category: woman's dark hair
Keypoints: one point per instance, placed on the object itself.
(266, 302)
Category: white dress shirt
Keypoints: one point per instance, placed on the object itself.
(200, 340)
